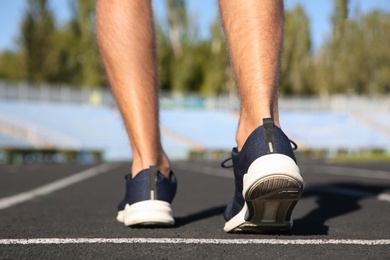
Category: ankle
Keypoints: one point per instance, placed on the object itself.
(161, 161)
(243, 131)
(246, 127)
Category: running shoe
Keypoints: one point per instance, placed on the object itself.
(148, 199)
(268, 183)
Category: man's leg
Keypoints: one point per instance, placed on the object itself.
(268, 182)
(127, 45)
(125, 33)
(254, 31)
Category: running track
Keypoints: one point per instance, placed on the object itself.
(68, 212)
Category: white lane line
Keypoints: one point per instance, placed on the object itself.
(347, 171)
(42, 241)
(205, 169)
(349, 192)
(310, 169)
(321, 169)
(54, 186)
(384, 197)
(182, 139)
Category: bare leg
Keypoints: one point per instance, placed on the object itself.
(126, 39)
(254, 31)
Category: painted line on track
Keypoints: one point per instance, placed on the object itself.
(311, 169)
(384, 197)
(321, 169)
(349, 192)
(44, 241)
(205, 169)
(56, 185)
(348, 171)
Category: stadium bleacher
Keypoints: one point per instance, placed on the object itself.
(332, 131)
(79, 126)
(212, 129)
(100, 127)
(10, 141)
(380, 118)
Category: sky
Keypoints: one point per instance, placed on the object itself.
(319, 12)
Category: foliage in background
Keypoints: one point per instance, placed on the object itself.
(353, 59)
(51, 54)
(37, 32)
(297, 67)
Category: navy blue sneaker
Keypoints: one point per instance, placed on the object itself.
(268, 183)
(148, 199)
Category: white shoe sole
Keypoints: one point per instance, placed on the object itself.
(271, 189)
(147, 213)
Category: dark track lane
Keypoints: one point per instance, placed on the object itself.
(88, 209)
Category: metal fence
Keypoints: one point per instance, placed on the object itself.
(103, 96)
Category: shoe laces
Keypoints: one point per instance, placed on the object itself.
(294, 146)
(223, 163)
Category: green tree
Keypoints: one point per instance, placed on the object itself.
(355, 59)
(297, 66)
(181, 63)
(178, 25)
(217, 71)
(376, 27)
(338, 55)
(47, 53)
(187, 63)
(164, 58)
(37, 31)
(11, 63)
(84, 52)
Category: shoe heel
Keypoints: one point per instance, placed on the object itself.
(272, 187)
(148, 213)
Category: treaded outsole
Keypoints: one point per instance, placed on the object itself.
(271, 189)
(270, 203)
